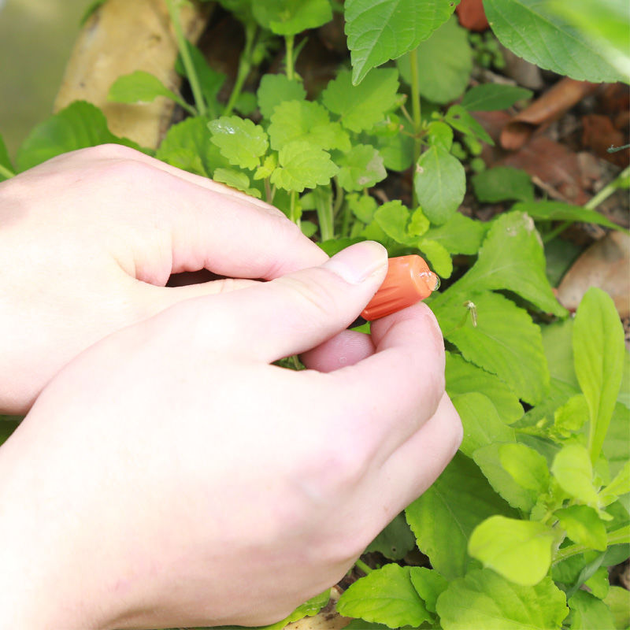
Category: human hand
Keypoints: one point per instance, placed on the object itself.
(89, 239)
(170, 476)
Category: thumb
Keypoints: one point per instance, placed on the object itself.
(298, 311)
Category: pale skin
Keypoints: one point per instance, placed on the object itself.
(167, 474)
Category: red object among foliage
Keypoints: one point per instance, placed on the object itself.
(471, 15)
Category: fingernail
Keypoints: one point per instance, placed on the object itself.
(357, 263)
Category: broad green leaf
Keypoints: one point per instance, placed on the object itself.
(573, 470)
(438, 257)
(5, 160)
(362, 206)
(520, 551)
(290, 17)
(444, 81)
(446, 514)
(140, 87)
(615, 446)
(483, 600)
(78, 126)
(572, 416)
(459, 235)
(512, 258)
(605, 21)
(503, 183)
(307, 609)
(235, 179)
(393, 218)
(583, 526)
(557, 211)
(481, 422)
(275, 89)
(618, 601)
(463, 377)
(557, 341)
(440, 134)
(526, 466)
(488, 458)
(210, 81)
(533, 31)
(429, 585)
(241, 141)
(599, 583)
(305, 121)
(386, 596)
(361, 167)
(267, 168)
(395, 541)
(303, 166)
(598, 351)
(187, 146)
(492, 96)
(440, 184)
(246, 104)
(380, 31)
(397, 148)
(589, 612)
(619, 486)
(459, 118)
(505, 342)
(362, 106)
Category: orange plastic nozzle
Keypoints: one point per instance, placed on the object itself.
(408, 281)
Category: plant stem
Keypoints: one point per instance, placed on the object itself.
(289, 39)
(415, 105)
(182, 44)
(323, 204)
(617, 537)
(244, 67)
(6, 172)
(268, 193)
(364, 567)
(591, 204)
(292, 209)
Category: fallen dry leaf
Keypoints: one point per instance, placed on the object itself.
(599, 134)
(544, 110)
(472, 15)
(604, 264)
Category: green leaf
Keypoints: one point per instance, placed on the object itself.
(446, 514)
(361, 167)
(481, 422)
(619, 486)
(395, 541)
(492, 96)
(483, 600)
(393, 218)
(140, 87)
(5, 160)
(303, 166)
(488, 458)
(459, 235)
(573, 470)
(533, 31)
(512, 258)
(616, 442)
(362, 206)
(598, 350)
(241, 141)
(618, 601)
(463, 377)
(440, 134)
(396, 148)
(290, 17)
(589, 612)
(78, 126)
(380, 31)
(236, 179)
(520, 551)
(557, 211)
(440, 184)
(275, 89)
(305, 121)
(459, 118)
(572, 416)
(362, 106)
(443, 81)
(438, 257)
(187, 146)
(307, 609)
(429, 585)
(557, 341)
(385, 596)
(505, 342)
(503, 183)
(526, 466)
(583, 526)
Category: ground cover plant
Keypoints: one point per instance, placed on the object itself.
(523, 525)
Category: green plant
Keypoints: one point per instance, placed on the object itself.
(522, 525)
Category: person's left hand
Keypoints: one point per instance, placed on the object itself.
(89, 240)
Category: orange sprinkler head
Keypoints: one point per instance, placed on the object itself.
(408, 281)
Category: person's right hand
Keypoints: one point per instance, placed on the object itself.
(171, 476)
